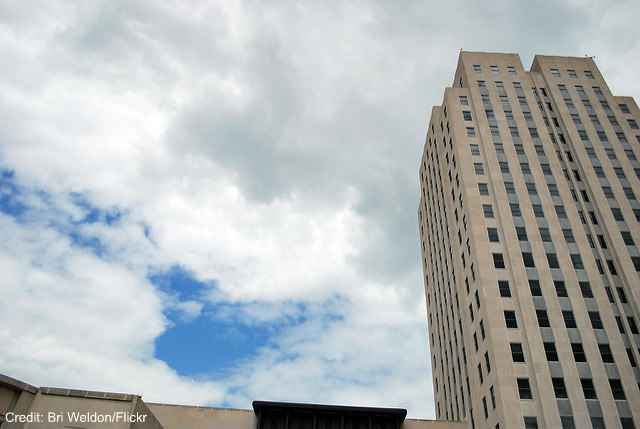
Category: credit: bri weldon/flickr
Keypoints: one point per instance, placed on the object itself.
(76, 417)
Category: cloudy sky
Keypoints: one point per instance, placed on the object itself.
(210, 203)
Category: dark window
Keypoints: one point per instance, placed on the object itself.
(551, 352)
(545, 235)
(466, 115)
(576, 259)
(585, 288)
(537, 210)
(543, 318)
(552, 259)
(559, 388)
(515, 210)
(493, 235)
(568, 235)
(567, 422)
(483, 188)
(521, 231)
(510, 319)
(524, 389)
(605, 353)
(627, 423)
(569, 319)
(578, 352)
(616, 389)
(596, 322)
(597, 423)
(588, 388)
(534, 286)
(632, 325)
(530, 423)
(561, 289)
(488, 210)
(498, 260)
(632, 359)
(627, 238)
(527, 258)
(503, 286)
(517, 354)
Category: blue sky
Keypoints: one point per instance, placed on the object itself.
(211, 203)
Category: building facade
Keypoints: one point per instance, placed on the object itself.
(24, 406)
(528, 222)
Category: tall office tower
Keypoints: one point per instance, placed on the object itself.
(529, 226)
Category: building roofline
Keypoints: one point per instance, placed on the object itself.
(17, 384)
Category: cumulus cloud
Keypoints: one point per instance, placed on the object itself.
(271, 150)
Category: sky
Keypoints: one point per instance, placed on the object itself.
(214, 202)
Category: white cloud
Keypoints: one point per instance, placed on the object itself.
(270, 149)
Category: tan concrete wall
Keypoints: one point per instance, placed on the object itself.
(62, 404)
(186, 417)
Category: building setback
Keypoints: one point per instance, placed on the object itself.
(528, 222)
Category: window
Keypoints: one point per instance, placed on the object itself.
(553, 189)
(475, 149)
(572, 73)
(605, 353)
(633, 124)
(596, 322)
(537, 210)
(498, 260)
(569, 319)
(617, 214)
(477, 68)
(483, 188)
(480, 373)
(585, 289)
(515, 210)
(466, 115)
(567, 422)
(534, 287)
(576, 260)
(588, 388)
(568, 235)
(578, 352)
(503, 287)
(561, 289)
(487, 362)
(463, 100)
(559, 388)
(504, 167)
(471, 132)
(588, 74)
(626, 237)
(509, 188)
(616, 389)
(487, 209)
(608, 192)
(551, 352)
(624, 108)
(555, 72)
(597, 423)
(543, 318)
(561, 212)
(545, 235)
(479, 168)
(632, 359)
(527, 258)
(521, 231)
(517, 354)
(484, 405)
(524, 389)
(552, 259)
(632, 325)
(510, 319)
(627, 423)
(531, 188)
